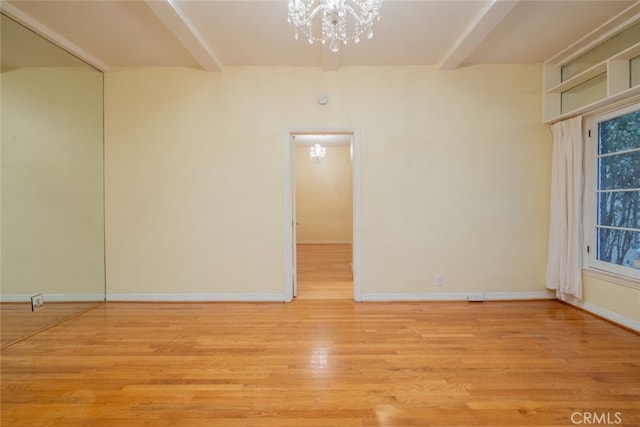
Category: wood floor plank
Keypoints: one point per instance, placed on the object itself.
(18, 321)
(324, 271)
(323, 363)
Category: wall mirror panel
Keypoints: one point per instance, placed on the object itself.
(52, 189)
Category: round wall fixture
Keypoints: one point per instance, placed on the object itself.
(322, 98)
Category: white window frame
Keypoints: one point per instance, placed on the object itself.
(628, 276)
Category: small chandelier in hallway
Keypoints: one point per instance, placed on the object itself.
(317, 152)
(342, 20)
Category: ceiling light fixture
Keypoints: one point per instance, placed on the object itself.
(334, 15)
(317, 152)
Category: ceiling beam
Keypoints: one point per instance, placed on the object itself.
(489, 17)
(46, 32)
(177, 22)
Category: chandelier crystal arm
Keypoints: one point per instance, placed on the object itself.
(298, 16)
(365, 19)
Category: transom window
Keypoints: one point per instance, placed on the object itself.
(612, 197)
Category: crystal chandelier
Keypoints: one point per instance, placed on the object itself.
(317, 152)
(334, 15)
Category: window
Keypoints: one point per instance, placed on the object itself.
(612, 197)
(615, 44)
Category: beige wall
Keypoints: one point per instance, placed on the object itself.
(324, 196)
(454, 174)
(52, 183)
(613, 298)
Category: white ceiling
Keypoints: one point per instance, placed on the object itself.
(214, 34)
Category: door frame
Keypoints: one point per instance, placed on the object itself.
(289, 207)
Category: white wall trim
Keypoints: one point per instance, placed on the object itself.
(54, 298)
(460, 296)
(196, 297)
(356, 261)
(323, 242)
(616, 279)
(289, 240)
(604, 313)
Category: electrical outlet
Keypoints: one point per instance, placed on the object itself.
(475, 297)
(439, 280)
(37, 302)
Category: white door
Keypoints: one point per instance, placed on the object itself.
(294, 240)
(294, 245)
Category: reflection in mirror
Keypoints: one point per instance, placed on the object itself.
(635, 71)
(51, 184)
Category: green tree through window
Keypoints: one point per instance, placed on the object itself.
(618, 189)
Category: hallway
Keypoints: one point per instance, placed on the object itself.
(324, 271)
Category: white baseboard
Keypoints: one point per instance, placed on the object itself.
(457, 296)
(54, 298)
(460, 296)
(508, 296)
(196, 297)
(323, 242)
(604, 313)
(15, 298)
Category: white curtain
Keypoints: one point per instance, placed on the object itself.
(564, 256)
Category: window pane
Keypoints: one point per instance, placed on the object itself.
(619, 247)
(617, 192)
(617, 43)
(619, 134)
(620, 171)
(619, 209)
(585, 93)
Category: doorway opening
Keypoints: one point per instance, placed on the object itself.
(322, 215)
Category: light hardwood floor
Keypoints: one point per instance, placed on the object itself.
(18, 321)
(324, 271)
(323, 363)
